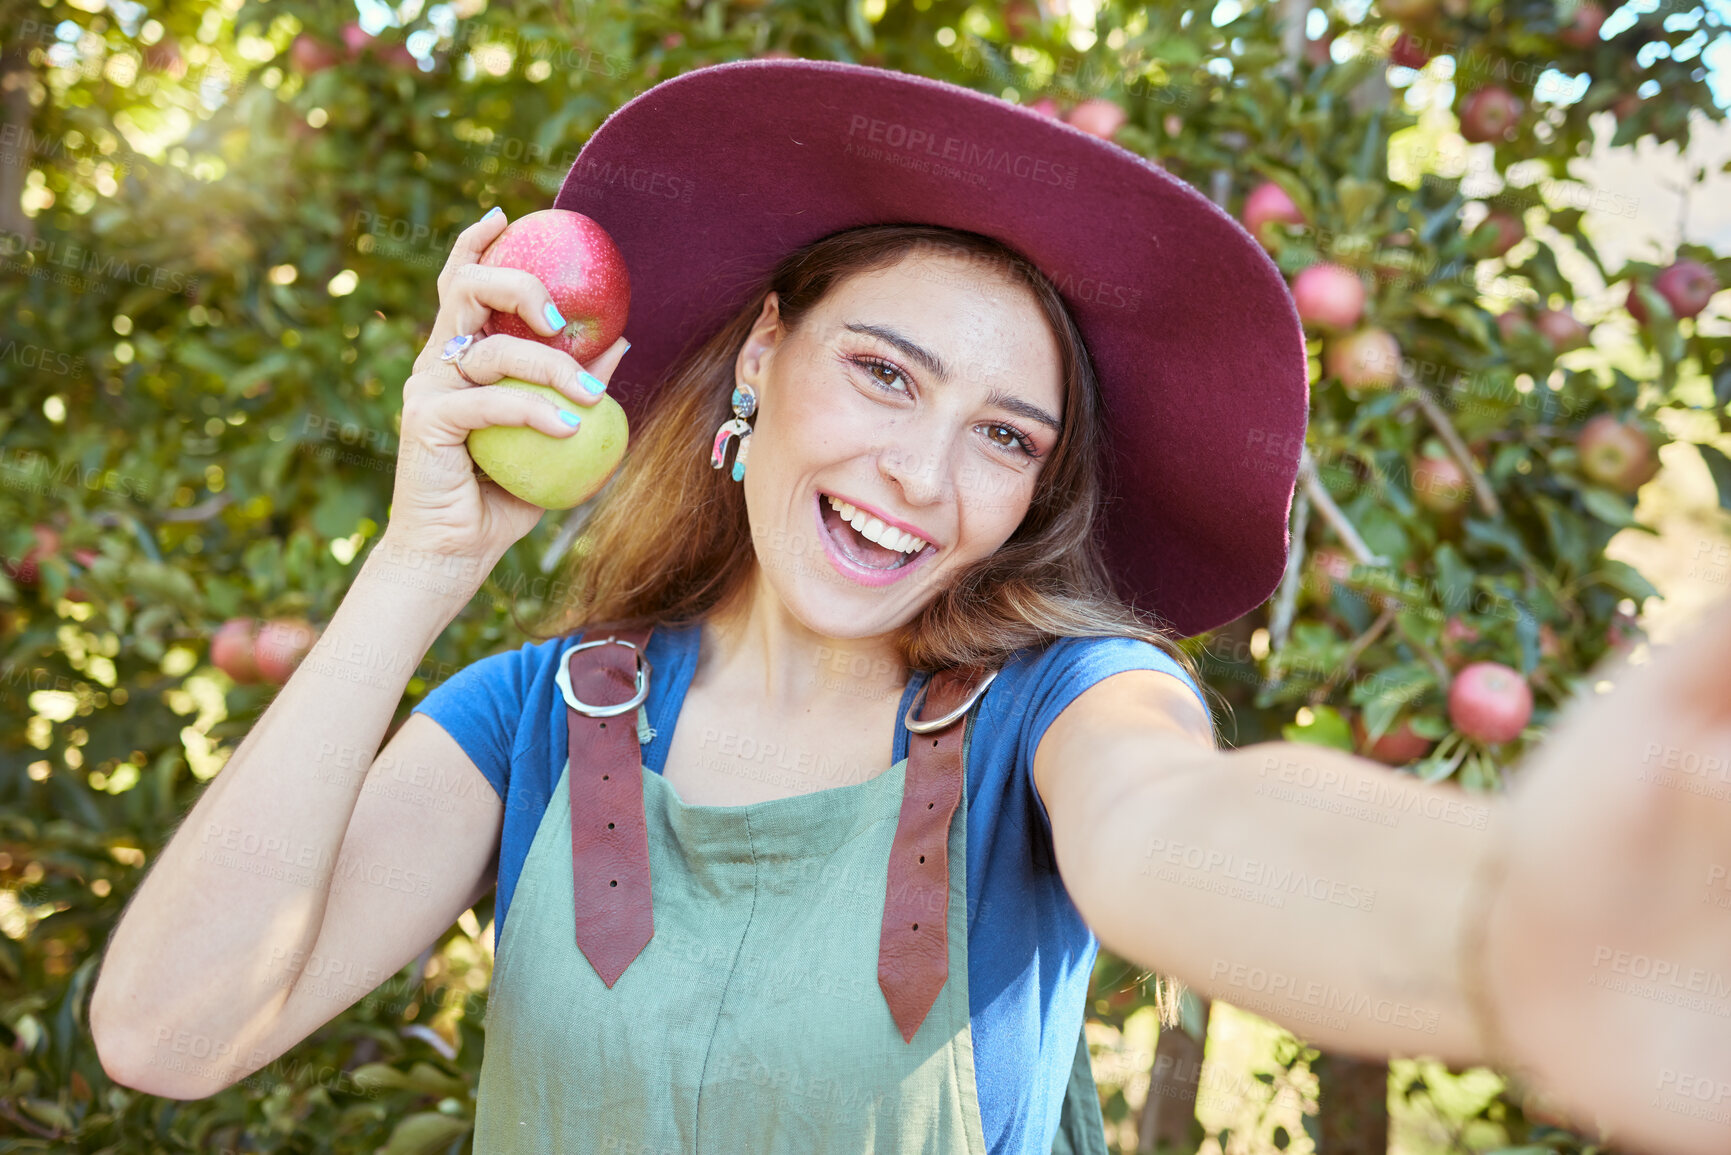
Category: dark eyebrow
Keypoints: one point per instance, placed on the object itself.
(935, 365)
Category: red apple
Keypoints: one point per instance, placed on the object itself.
(164, 56)
(1514, 325)
(580, 266)
(1398, 746)
(1498, 233)
(1328, 296)
(1550, 645)
(25, 571)
(775, 54)
(1367, 359)
(1021, 17)
(1457, 635)
(1616, 453)
(672, 40)
(1687, 286)
(355, 39)
(280, 646)
(308, 54)
(231, 649)
(1561, 329)
(1408, 11)
(1440, 484)
(1269, 205)
(1490, 702)
(1583, 30)
(1489, 113)
(1409, 52)
(1046, 106)
(1637, 307)
(1097, 117)
(1327, 564)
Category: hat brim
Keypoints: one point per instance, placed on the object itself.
(708, 179)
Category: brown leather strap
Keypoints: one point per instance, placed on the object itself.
(610, 840)
(914, 945)
(609, 837)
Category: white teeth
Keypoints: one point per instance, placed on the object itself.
(875, 530)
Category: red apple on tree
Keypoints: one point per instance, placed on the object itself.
(308, 54)
(1367, 359)
(1498, 233)
(1440, 484)
(1490, 702)
(1457, 635)
(1269, 205)
(1097, 117)
(1047, 107)
(1327, 564)
(1637, 305)
(1328, 296)
(1515, 325)
(1687, 286)
(1399, 745)
(1489, 113)
(1583, 30)
(1409, 51)
(355, 39)
(1020, 18)
(280, 646)
(1616, 453)
(25, 571)
(1561, 329)
(581, 267)
(231, 649)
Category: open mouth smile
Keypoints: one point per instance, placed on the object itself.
(856, 555)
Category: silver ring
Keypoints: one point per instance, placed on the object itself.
(563, 679)
(452, 354)
(940, 723)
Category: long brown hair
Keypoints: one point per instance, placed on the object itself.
(668, 540)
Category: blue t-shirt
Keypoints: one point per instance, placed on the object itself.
(1030, 955)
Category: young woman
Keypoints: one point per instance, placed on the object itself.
(846, 749)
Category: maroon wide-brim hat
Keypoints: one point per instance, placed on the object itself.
(708, 179)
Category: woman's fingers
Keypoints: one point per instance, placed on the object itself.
(493, 358)
(470, 292)
(458, 414)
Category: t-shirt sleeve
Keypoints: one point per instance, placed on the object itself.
(480, 706)
(1070, 667)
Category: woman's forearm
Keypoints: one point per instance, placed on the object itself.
(247, 875)
(1315, 888)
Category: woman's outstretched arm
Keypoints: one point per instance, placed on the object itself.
(1320, 890)
(1599, 941)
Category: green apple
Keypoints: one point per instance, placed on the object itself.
(553, 472)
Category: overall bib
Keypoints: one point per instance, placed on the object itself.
(691, 979)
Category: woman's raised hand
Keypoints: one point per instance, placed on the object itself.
(438, 504)
(1608, 945)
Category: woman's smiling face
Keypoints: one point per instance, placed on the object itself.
(930, 392)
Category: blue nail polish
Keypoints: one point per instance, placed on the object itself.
(553, 317)
(492, 212)
(591, 382)
(569, 417)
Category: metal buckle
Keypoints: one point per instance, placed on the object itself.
(563, 678)
(940, 723)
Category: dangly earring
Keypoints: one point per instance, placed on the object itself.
(744, 405)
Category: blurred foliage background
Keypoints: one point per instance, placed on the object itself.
(220, 224)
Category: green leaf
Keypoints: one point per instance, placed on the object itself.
(1622, 576)
(1717, 463)
(1608, 507)
(425, 1134)
(1327, 728)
